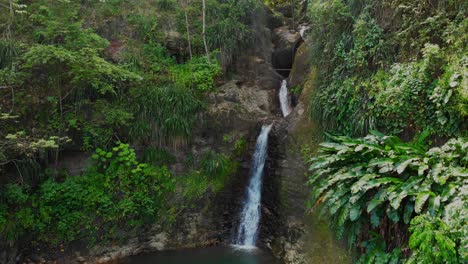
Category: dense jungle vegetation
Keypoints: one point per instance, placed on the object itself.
(100, 77)
(114, 80)
(398, 67)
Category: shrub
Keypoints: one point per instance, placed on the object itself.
(157, 157)
(197, 74)
(212, 171)
(117, 191)
(164, 114)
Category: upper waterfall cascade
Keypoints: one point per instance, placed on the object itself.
(302, 30)
(283, 97)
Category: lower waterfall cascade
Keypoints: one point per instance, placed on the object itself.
(250, 216)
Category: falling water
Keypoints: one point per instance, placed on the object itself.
(250, 216)
(283, 96)
(302, 30)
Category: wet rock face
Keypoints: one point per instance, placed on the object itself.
(8, 254)
(300, 67)
(250, 101)
(235, 109)
(285, 43)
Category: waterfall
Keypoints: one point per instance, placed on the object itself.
(283, 97)
(302, 30)
(250, 215)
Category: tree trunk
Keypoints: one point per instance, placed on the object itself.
(204, 31)
(188, 29)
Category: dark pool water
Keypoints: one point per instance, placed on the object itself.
(214, 255)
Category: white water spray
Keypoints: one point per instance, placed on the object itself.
(250, 216)
(302, 30)
(283, 97)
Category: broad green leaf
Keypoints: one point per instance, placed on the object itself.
(373, 204)
(375, 219)
(409, 208)
(420, 201)
(355, 212)
(393, 215)
(402, 166)
(434, 205)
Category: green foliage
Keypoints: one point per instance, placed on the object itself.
(107, 118)
(84, 68)
(229, 28)
(166, 4)
(17, 217)
(395, 66)
(145, 27)
(151, 60)
(197, 74)
(238, 144)
(57, 23)
(389, 65)
(116, 191)
(194, 185)
(23, 144)
(330, 19)
(379, 180)
(211, 172)
(157, 157)
(8, 52)
(297, 90)
(431, 241)
(19, 143)
(411, 95)
(86, 74)
(214, 164)
(376, 252)
(167, 114)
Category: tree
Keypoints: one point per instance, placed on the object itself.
(12, 8)
(204, 31)
(187, 26)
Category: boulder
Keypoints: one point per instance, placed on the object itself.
(285, 38)
(176, 44)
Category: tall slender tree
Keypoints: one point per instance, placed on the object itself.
(185, 6)
(204, 31)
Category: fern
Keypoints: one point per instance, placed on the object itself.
(379, 178)
(431, 241)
